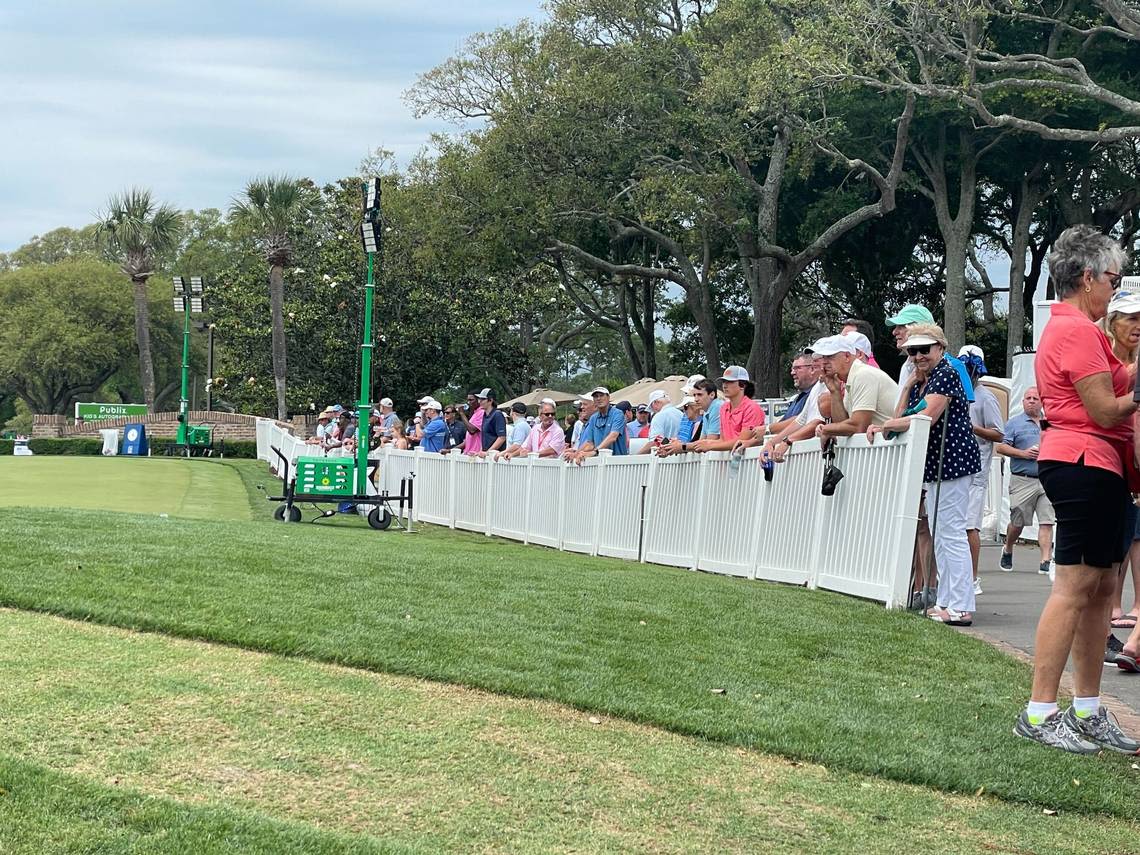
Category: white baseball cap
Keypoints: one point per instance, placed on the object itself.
(688, 399)
(1124, 302)
(486, 394)
(692, 382)
(385, 402)
(861, 342)
(833, 344)
(423, 400)
(736, 372)
(658, 395)
(599, 390)
(433, 405)
(972, 350)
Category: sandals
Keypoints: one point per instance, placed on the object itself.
(1127, 621)
(950, 617)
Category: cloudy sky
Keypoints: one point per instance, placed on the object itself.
(191, 99)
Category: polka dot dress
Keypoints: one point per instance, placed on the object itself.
(962, 457)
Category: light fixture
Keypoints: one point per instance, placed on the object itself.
(179, 284)
(196, 305)
(370, 234)
(372, 197)
(196, 284)
(179, 303)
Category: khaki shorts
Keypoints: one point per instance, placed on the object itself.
(1026, 499)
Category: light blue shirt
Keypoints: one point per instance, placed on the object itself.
(1022, 432)
(667, 423)
(710, 421)
(518, 432)
(599, 427)
(435, 435)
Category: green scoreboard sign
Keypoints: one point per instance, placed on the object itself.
(94, 412)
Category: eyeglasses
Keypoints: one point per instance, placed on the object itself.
(449, 412)
(547, 415)
(1114, 279)
(923, 349)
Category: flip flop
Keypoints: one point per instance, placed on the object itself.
(1127, 621)
(1126, 663)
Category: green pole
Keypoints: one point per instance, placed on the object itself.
(184, 403)
(364, 405)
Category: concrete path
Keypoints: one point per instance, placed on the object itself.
(1011, 603)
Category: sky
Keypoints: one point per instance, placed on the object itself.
(192, 99)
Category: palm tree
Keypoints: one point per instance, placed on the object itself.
(269, 208)
(135, 229)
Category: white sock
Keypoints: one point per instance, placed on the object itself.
(1085, 707)
(1037, 711)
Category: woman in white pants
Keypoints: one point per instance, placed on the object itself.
(935, 390)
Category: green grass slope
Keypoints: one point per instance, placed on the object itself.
(808, 675)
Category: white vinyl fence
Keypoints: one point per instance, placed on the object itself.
(687, 510)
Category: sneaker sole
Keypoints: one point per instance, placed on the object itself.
(1126, 663)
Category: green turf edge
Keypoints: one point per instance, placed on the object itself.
(44, 811)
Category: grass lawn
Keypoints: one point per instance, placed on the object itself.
(183, 488)
(417, 765)
(809, 675)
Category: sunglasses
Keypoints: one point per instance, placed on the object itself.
(923, 349)
(449, 412)
(547, 415)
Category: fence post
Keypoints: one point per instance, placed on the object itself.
(823, 515)
(487, 461)
(595, 535)
(529, 480)
(702, 488)
(562, 505)
(452, 479)
(905, 514)
(647, 499)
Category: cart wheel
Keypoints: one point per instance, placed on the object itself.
(294, 513)
(379, 518)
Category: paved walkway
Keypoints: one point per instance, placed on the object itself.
(1011, 603)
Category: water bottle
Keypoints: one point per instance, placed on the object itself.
(734, 462)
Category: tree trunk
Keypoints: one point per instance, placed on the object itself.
(1025, 203)
(277, 313)
(764, 360)
(697, 300)
(954, 315)
(142, 339)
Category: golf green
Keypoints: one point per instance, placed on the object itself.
(202, 489)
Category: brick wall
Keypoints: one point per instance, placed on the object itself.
(225, 425)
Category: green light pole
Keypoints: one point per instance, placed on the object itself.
(370, 233)
(188, 300)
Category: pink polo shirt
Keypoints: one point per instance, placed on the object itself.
(1072, 348)
(538, 439)
(733, 422)
(473, 444)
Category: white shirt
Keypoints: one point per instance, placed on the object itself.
(810, 412)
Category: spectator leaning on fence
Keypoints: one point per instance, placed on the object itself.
(805, 374)
(1021, 443)
(585, 409)
(986, 422)
(605, 429)
(952, 458)
(456, 432)
(1087, 465)
(816, 410)
(546, 438)
(704, 395)
(739, 415)
(861, 394)
(388, 416)
(324, 418)
(517, 432)
(666, 422)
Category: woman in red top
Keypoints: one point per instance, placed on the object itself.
(1085, 456)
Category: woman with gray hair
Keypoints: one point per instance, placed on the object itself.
(1085, 457)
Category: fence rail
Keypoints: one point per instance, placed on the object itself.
(685, 511)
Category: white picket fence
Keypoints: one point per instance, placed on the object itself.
(686, 510)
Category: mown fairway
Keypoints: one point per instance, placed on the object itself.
(547, 701)
(154, 485)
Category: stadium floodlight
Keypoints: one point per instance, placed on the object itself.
(371, 198)
(179, 284)
(370, 235)
(196, 284)
(179, 304)
(188, 300)
(196, 305)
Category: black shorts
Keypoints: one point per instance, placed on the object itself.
(1090, 507)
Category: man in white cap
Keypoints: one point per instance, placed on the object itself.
(862, 344)
(494, 425)
(986, 420)
(432, 435)
(605, 429)
(691, 383)
(388, 417)
(857, 327)
(861, 395)
(666, 421)
(739, 415)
